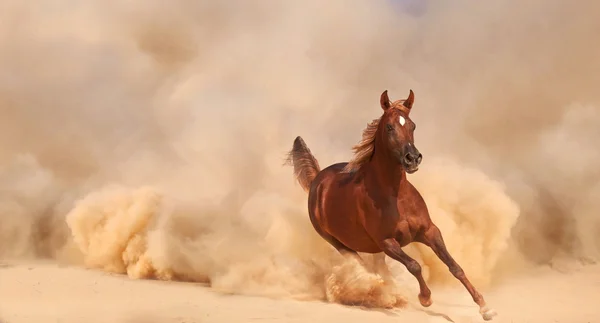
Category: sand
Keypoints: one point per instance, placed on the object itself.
(46, 292)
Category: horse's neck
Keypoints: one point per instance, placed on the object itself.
(386, 173)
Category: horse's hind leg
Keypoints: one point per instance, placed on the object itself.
(380, 266)
(392, 248)
(338, 245)
(433, 238)
(341, 248)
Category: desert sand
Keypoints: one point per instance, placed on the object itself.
(33, 293)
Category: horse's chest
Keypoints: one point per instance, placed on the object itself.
(392, 218)
(388, 210)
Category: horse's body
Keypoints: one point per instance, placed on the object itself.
(351, 210)
(368, 205)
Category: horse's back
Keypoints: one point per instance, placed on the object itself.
(323, 180)
(334, 168)
(330, 175)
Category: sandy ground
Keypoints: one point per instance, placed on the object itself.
(50, 293)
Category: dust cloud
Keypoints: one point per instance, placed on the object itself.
(147, 137)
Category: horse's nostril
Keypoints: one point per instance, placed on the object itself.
(408, 157)
(419, 158)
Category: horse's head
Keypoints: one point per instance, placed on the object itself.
(397, 131)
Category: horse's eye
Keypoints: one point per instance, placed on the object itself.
(389, 127)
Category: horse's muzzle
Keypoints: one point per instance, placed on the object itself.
(412, 160)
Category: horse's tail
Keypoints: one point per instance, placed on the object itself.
(306, 166)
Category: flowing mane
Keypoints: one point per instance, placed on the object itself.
(364, 149)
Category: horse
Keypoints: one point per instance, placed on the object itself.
(368, 205)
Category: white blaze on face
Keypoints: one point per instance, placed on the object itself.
(402, 120)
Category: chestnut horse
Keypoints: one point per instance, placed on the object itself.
(368, 205)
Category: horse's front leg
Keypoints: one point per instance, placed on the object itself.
(392, 249)
(433, 238)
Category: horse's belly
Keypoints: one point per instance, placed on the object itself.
(360, 243)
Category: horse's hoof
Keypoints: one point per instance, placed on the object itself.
(487, 313)
(425, 301)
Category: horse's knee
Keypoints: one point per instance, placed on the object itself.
(388, 245)
(457, 272)
(413, 267)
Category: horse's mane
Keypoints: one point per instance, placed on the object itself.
(365, 148)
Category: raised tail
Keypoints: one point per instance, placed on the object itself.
(306, 166)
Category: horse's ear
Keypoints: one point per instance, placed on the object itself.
(385, 101)
(410, 100)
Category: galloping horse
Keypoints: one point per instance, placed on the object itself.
(368, 205)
